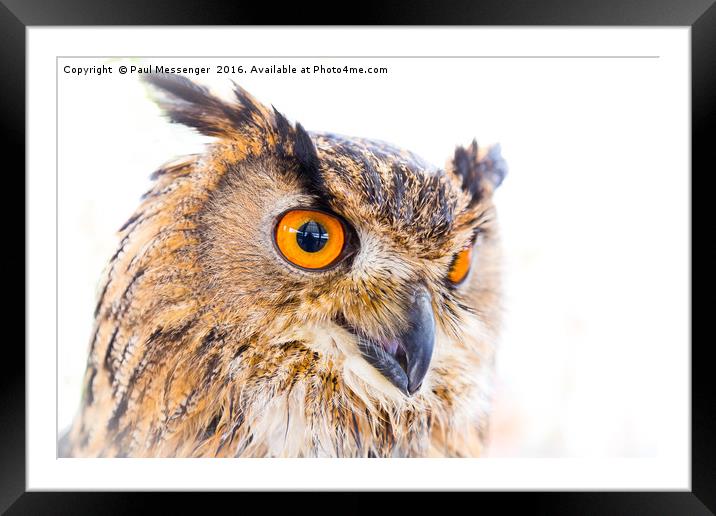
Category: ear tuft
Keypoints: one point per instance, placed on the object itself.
(479, 170)
(247, 121)
(191, 104)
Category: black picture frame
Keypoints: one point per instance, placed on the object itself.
(700, 15)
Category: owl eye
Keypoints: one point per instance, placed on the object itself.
(460, 266)
(310, 239)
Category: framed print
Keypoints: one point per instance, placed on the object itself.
(414, 256)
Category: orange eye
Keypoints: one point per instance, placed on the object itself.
(310, 239)
(460, 266)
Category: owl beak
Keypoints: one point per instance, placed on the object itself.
(405, 361)
(418, 341)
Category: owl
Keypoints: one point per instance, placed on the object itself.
(289, 293)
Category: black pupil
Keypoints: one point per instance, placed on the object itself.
(311, 237)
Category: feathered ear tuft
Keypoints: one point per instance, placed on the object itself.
(481, 171)
(246, 124)
(191, 104)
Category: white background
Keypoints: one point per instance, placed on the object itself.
(593, 362)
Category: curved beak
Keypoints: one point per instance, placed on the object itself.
(405, 360)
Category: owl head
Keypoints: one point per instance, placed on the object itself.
(342, 280)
